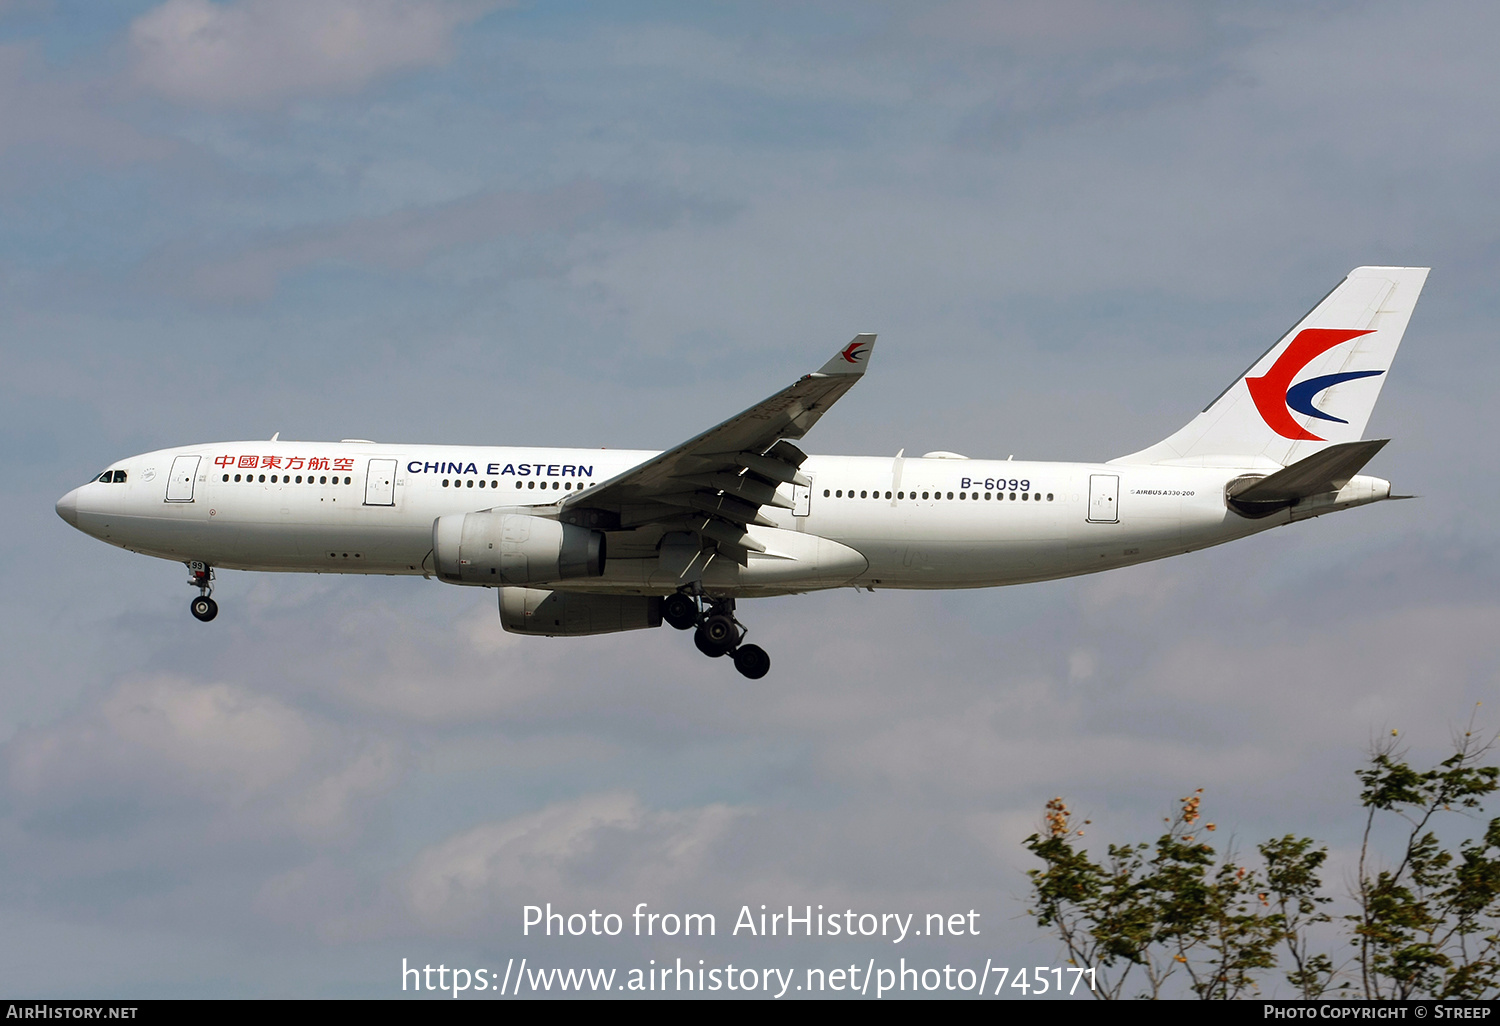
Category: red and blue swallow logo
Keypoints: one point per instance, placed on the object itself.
(1277, 398)
(853, 352)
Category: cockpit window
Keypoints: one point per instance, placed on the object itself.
(105, 477)
(119, 477)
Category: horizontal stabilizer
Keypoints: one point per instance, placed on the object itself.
(1325, 471)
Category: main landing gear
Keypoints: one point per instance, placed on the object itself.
(203, 607)
(715, 631)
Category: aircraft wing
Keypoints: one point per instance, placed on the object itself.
(715, 483)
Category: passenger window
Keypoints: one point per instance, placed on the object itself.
(323, 479)
(518, 484)
(864, 495)
(445, 482)
(262, 479)
(226, 477)
(1049, 496)
(236, 478)
(825, 493)
(299, 478)
(924, 495)
(887, 495)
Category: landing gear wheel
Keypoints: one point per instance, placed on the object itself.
(204, 608)
(708, 648)
(752, 661)
(716, 636)
(679, 610)
(719, 630)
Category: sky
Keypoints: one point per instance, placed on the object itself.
(1070, 222)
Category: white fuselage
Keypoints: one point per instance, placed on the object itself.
(867, 521)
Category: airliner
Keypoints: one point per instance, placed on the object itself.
(593, 541)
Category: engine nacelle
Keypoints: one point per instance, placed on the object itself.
(560, 613)
(513, 548)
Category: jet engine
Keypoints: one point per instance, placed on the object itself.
(513, 548)
(557, 613)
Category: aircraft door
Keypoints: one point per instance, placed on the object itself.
(380, 483)
(801, 500)
(180, 482)
(1104, 499)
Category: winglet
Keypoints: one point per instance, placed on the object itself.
(852, 359)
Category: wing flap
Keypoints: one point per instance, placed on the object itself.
(742, 486)
(729, 471)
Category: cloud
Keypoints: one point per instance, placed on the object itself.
(588, 848)
(44, 114)
(528, 224)
(218, 755)
(402, 240)
(1056, 27)
(259, 53)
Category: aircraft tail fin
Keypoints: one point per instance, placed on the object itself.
(1312, 389)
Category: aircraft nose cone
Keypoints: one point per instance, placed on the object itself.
(67, 507)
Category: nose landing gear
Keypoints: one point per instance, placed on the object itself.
(203, 607)
(717, 632)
